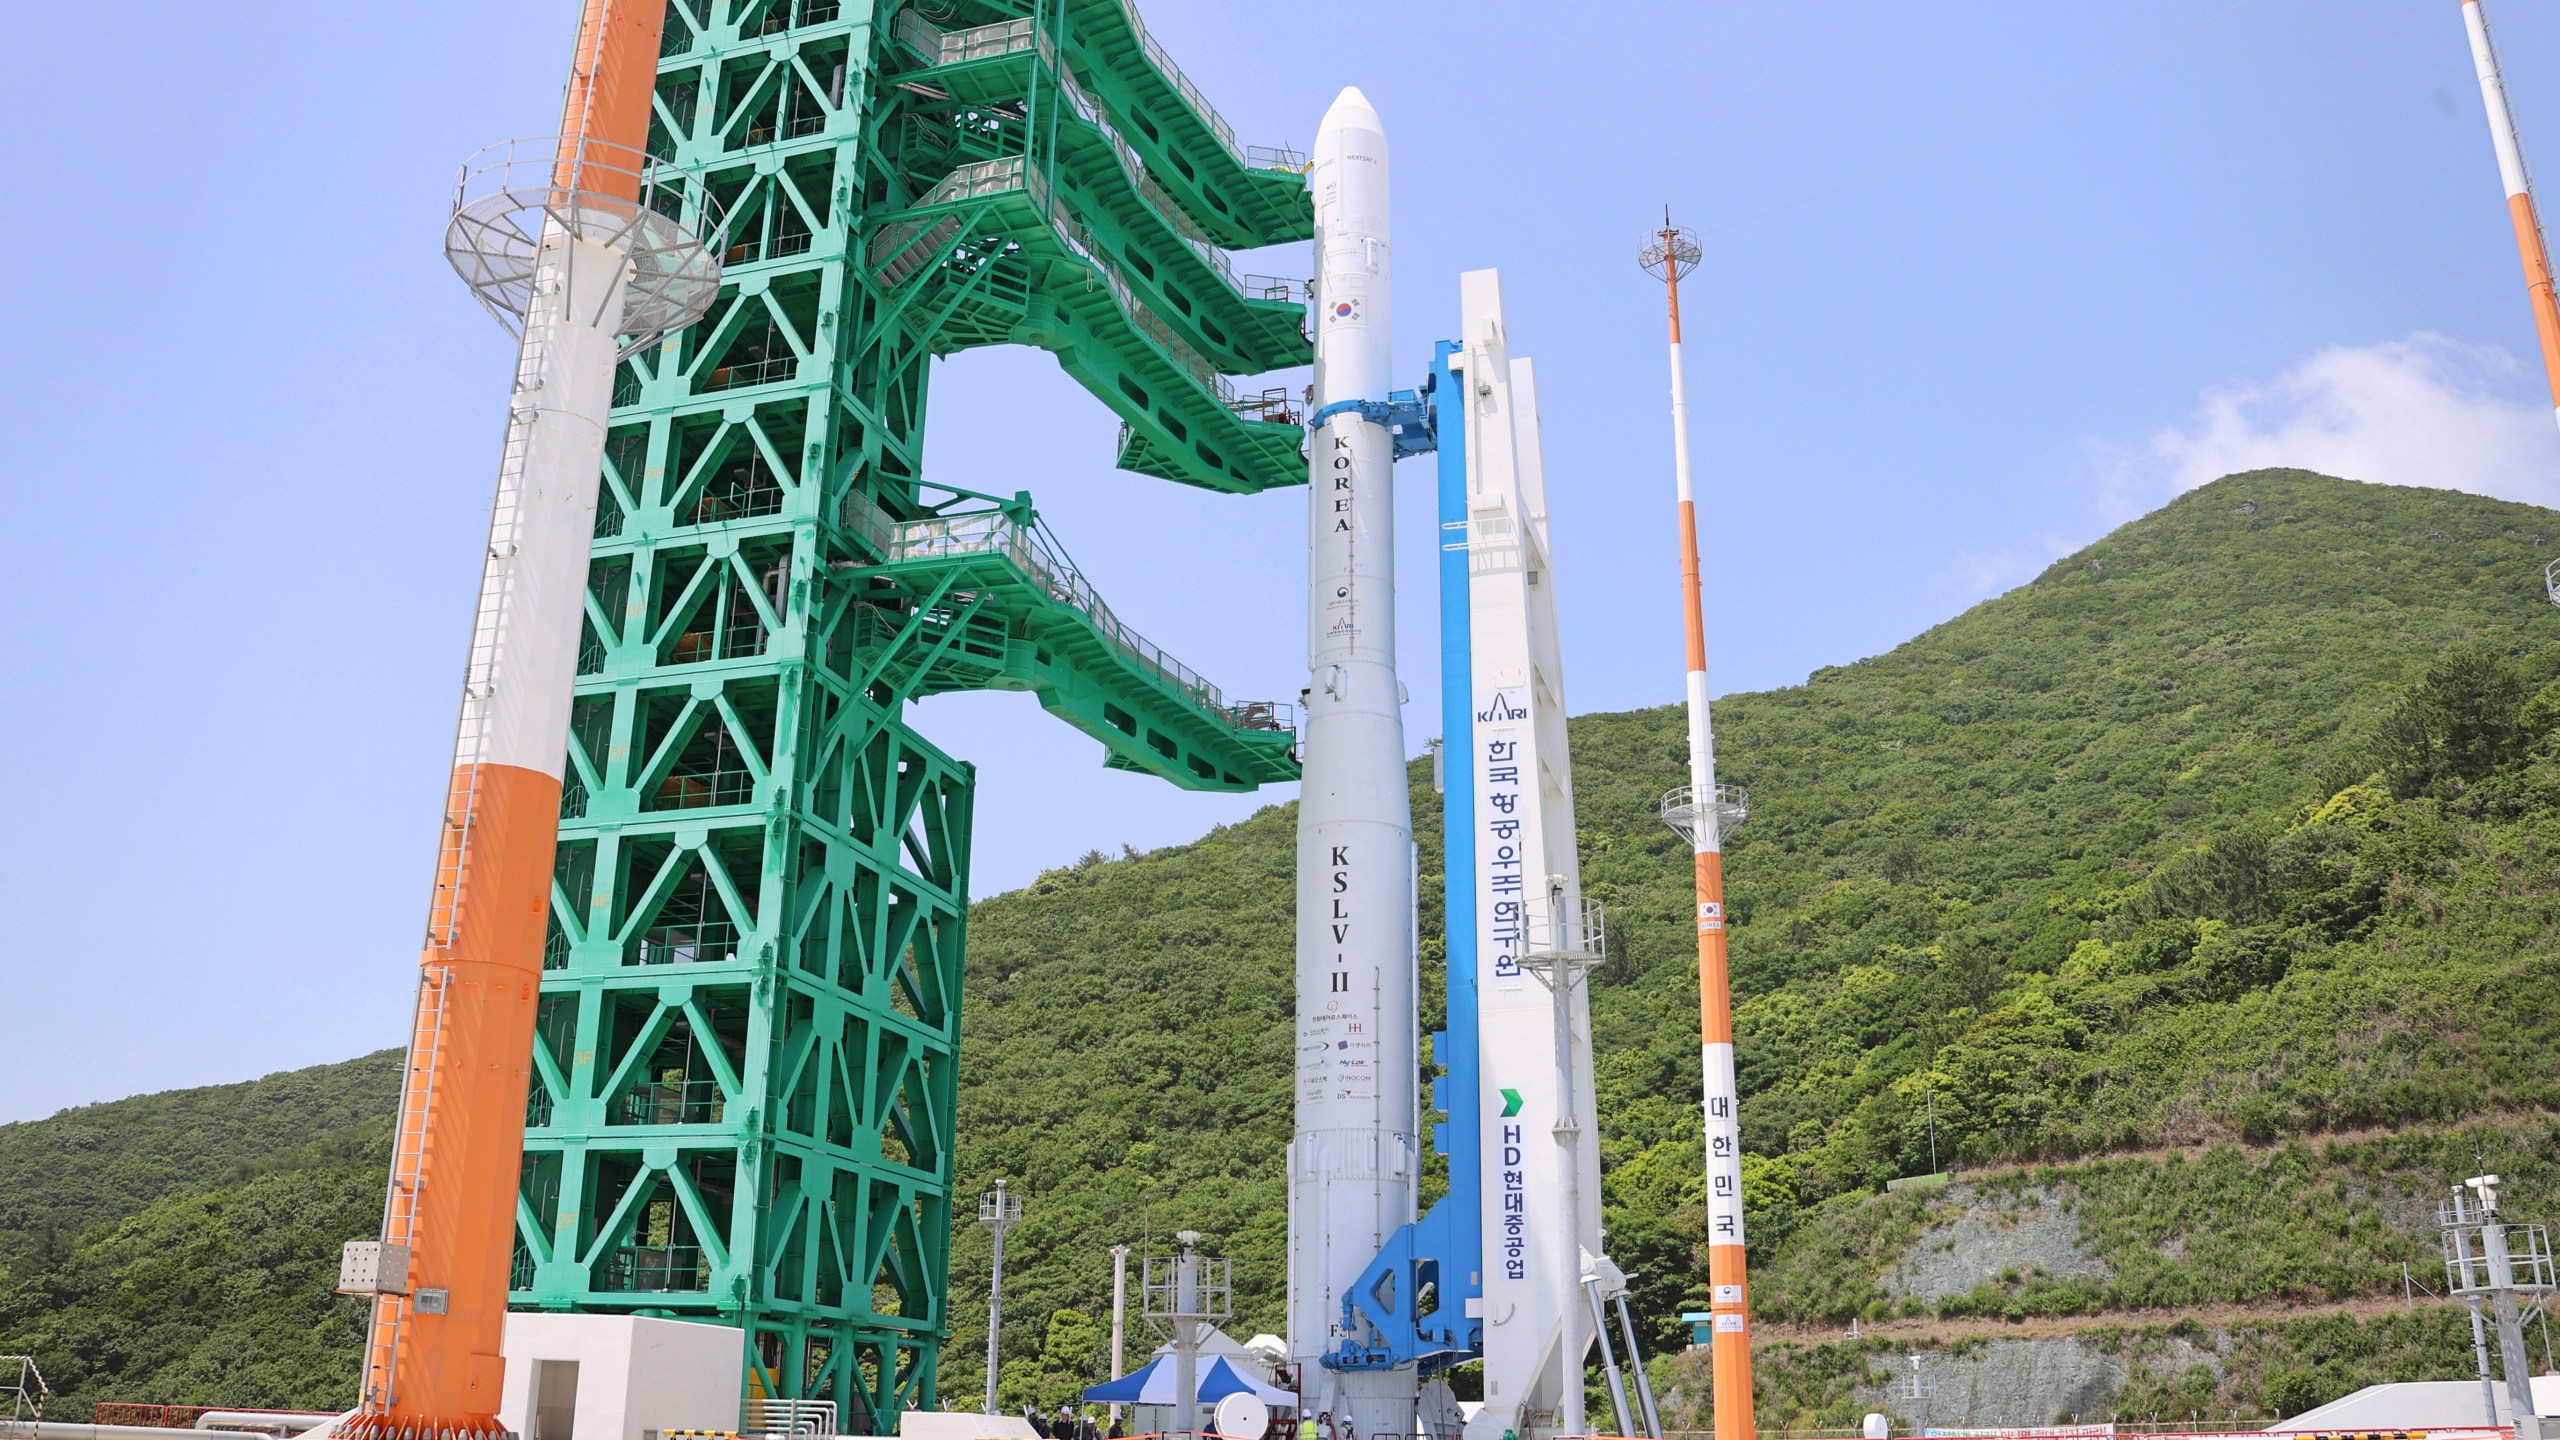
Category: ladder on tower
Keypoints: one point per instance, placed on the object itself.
(480, 667)
(408, 1181)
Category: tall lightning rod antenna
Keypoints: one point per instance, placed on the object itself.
(1700, 811)
(2520, 206)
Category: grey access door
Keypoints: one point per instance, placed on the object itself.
(553, 1406)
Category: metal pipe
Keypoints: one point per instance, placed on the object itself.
(282, 1422)
(2511, 1352)
(999, 1212)
(1119, 1308)
(67, 1431)
(1608, 1356)
(1560, 977)
(1635, 1363)
(1186, 1339)
(2480, 1354)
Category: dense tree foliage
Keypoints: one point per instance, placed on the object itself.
(2238, 827)
(2460, 725)
(214, 1295)
(87, 1166)
(2101, 864)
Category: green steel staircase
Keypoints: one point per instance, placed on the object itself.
(750, 1016)
(987, 600)
(1040, 224)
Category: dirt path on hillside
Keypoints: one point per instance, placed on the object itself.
(1927, 1331)
(2194, 1146)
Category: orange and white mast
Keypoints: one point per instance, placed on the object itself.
(558, 239)
(2520, 206)
(1700, 811)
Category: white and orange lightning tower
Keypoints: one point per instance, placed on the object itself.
(2520, 207)
(1700, 810)
(568, 241)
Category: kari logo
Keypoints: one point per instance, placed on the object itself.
(1504, 706)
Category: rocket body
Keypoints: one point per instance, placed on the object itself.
(1354, 1158)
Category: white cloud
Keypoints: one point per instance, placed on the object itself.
(2422, 411)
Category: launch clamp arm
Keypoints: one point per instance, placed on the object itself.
(1407, 418)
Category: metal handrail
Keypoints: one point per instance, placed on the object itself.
(2470, 1271)
(1681, 810)
(1274, 287)
(1276, 405)
(1036, 553)
(863, 516)
(1080, 240)
(1010, 172)
(659, 1268)
(1276, 157)
(1180, 82)
(1151, 194)
(765, 1415)
(980, 177)
(1578, 931)
(674, 1102)
(687, 944)
(509, 196)
(955, 47)
(752, 372)
(1093, 115)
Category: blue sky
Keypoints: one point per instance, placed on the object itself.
(1981, 280)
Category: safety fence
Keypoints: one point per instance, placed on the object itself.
(1036, 553)
(162, 1417)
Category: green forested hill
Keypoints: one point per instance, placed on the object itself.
(2089, 867)
(2232, 829)
(95, 1164)
(183, 1246)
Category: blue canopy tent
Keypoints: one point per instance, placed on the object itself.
(1152, 1384)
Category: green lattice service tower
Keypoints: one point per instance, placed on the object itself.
(750, 1012)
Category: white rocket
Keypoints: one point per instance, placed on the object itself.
(1354, 1159)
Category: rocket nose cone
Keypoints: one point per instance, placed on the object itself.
(1351, 110)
